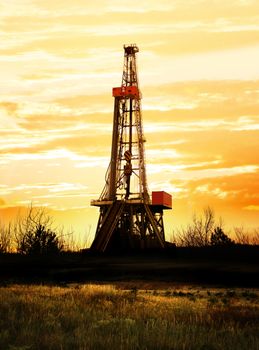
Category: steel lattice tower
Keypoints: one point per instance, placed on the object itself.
(128, 219)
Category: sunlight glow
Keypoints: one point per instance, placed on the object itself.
(199, 77)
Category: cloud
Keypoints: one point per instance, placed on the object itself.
(8, 120)
(252, 207)
(239, 187)
(2, 202)
(10, 107)
(234, 197)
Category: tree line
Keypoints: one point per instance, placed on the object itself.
(35, 234)
(205, 230)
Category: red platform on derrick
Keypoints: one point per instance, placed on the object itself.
(162, 198)
(126, 91)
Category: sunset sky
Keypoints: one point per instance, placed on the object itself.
(199, 75)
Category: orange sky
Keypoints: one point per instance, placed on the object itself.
(199, 77)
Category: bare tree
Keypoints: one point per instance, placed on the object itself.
(244, 236)
(69, 242)
(34, 233)
(241, 235)
(255, 237)
(5, 238)
(198, 233)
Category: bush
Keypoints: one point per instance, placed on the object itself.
(40, 241)
(35, 236)
(219, 238)
(5, 238)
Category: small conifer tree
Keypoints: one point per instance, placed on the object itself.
(219, 238)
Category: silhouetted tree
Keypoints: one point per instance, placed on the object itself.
(219, 238)
(255, 236)
(246, 236)
(34, 234)
(197, 234)
(242, 235)
(40, 241)
(5, 238)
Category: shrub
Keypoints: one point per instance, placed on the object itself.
(34, 234)
(40, 241)
(219, 238)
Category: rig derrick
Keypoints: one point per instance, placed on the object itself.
(130, 219)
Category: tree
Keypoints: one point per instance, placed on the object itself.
(34, 234)
(5, 238)
(245, 236)
(219, 238)
(242, 235)
(255, 236)
(197, 234)
(40, 241)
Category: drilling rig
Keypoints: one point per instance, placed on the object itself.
(129, 219)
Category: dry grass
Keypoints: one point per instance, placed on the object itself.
(108, 317)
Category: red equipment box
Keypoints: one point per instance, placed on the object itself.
(126, 91)
(162, 198)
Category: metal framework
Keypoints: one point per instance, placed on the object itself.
(127, 220)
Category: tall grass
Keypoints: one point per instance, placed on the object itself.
(104, 317)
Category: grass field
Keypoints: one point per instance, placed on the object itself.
(128, 316)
